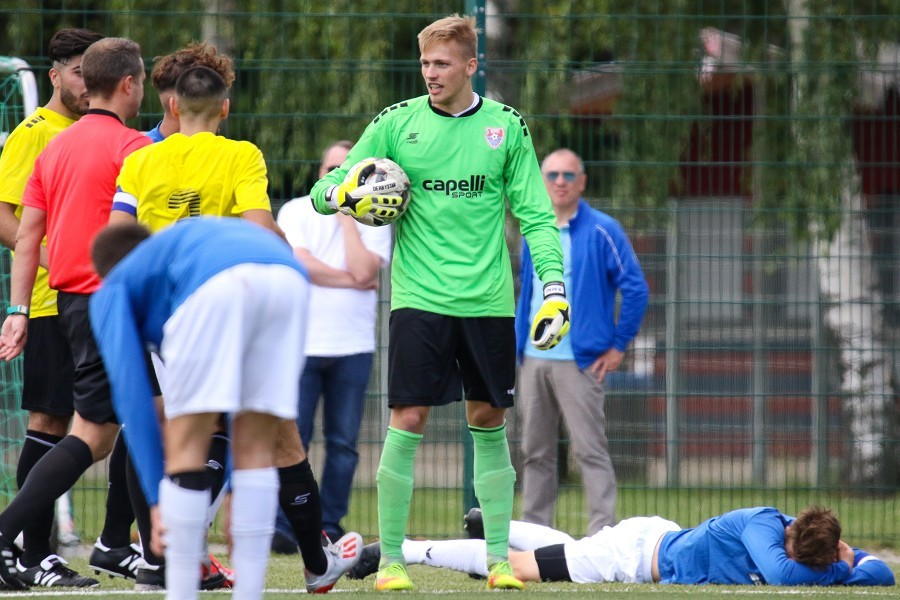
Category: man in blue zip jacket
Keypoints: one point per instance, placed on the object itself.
(567, 380)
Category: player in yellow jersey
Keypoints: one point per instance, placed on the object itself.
(166, 71)
(195, 173)
(47, 365)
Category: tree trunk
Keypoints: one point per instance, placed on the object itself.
(852, 307)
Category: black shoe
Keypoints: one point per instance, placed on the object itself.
(367, 563)
(53, 572)
(150, 578)
(9, 574)
(116, 562)
(213, 581)
(473, 524)
(283, 544)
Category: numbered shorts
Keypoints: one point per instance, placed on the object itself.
(433, 359)
(236, 344)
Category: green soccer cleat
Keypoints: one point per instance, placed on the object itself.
(393, 578)
(500, 577)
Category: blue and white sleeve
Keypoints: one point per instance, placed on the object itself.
(125, 202)
(869, 570)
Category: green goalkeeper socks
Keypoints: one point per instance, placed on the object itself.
(395, 488)
(494, 481)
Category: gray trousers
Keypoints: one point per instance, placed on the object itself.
(548, 390)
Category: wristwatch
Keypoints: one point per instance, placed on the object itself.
(17, 309)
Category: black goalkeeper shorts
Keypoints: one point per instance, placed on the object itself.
(436, 359)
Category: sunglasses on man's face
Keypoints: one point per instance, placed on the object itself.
(569, 176)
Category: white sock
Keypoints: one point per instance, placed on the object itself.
(468, 556)
(183, 512)
(254, 500)
(528, 536)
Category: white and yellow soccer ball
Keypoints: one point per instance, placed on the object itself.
(379, 177)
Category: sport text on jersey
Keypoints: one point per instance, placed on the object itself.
(473, 187)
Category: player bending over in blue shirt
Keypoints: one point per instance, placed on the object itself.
(746, 546)
(224, 302)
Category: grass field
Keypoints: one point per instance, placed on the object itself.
(285, 580)
(869, 522)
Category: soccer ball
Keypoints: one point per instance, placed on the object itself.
(387, 178)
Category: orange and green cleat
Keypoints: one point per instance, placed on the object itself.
(500, 577)
(393, 578)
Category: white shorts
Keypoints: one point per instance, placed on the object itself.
(236, 344)
(623, 553)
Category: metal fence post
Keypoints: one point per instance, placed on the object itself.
(673, 342)
(477, 9)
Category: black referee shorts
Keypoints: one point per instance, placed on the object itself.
(433, 359)
(47, 369)
(92, 396)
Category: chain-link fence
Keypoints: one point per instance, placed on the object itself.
(749, 148)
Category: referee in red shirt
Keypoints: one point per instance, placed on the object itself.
(68, 198)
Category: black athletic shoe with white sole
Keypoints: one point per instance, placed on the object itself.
(116, 562)
(9, 574)
(53, 572)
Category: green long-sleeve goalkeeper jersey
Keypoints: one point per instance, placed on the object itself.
(450, 255)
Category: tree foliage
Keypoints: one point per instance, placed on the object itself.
(310, 71)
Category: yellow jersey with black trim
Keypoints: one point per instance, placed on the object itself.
(22, 147)
(191, 176)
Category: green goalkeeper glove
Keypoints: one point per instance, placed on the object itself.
(357, 198)
(551, 322)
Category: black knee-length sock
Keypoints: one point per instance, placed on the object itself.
(141, 513)
(50, 478)
(119, 514)
(299, 499)
(36, 535)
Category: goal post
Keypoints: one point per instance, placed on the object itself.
(18, 99)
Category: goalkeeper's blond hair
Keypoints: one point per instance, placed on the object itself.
(455, 28)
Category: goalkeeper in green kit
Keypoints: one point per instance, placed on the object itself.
(452, 304)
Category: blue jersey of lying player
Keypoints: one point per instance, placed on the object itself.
(747, 546)
(139, 296)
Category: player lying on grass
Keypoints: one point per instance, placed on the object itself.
(746, 546)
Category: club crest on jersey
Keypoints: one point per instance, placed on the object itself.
(494, 136)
